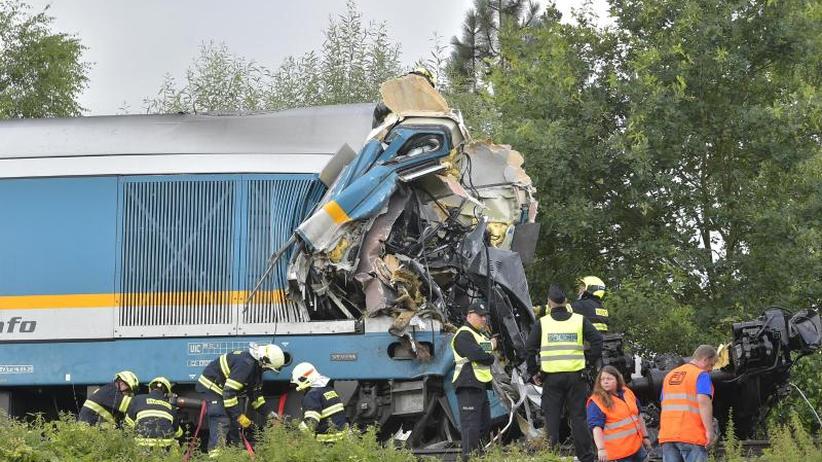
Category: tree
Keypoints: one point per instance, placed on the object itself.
(478, 47)
(41, 72)
(677, 152)
(354, 60)
(217, 81)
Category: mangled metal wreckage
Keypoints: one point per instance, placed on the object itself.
(419, 224)
(424, 220)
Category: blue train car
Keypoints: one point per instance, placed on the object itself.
(132, 242)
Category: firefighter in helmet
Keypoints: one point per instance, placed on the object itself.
(229, 377)
(323, 411)
(591, 293)
(153, 416)
(110, 402)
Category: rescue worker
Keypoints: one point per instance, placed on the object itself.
(381, 111)
(591, 292)
(615, 420)
(154, 419)
(110, 402)
(323, 411)
(228, 377)
(558, 339)
(472, 377)
(686, 421)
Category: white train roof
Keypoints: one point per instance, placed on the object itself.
(290, 141)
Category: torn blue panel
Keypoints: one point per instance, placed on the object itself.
(366, 185)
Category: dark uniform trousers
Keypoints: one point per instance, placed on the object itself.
(220, 427)
(571, 389)
(475, 418)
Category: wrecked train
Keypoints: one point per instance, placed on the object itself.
(142, 242)
(146, 242)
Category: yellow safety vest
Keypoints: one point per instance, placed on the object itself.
(561, 347)
(481, 372)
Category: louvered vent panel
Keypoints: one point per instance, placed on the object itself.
(275, 209)
(177, 252)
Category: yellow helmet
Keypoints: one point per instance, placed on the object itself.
(303, 375)
(160, 381)
(594, 286)
(129, 378)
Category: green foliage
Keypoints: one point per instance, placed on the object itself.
(354, 60)
(791, 442)
(66, 439)
(676, 154)
(477, 49)
(805, 375)
(41, 72)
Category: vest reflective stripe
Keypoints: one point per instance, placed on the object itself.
(124, 404)
(99, 410)
(148, 413)
(679, 421)
(625, 421)
(600, 326)
(312, 415)
(204, 381)
(231, 402)
(333, 409)
(622, 432)
(258, 402)
(330, 437)
(561, 348)
(231, 383)
(481, 371)
(155, 442)
(224, 365)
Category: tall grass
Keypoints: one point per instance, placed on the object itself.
(66, 440)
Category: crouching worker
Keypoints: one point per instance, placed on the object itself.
(323, 411)
(110, 402)
(154, 419)
(613, 416)
(228, 377)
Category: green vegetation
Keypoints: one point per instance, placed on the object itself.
(41, 72)
(67, 440)
(355, 58)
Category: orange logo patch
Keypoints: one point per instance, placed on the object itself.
(677, 378)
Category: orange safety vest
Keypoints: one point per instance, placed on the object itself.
(623, 434)
(680, 421)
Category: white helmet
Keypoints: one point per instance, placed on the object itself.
(269, 356)
(304, 375)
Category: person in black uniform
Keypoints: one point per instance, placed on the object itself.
(472, 377)
(228, 377)
(591, 293)
(110, 402)
(323, 410)
(154, 419)
(558, 341)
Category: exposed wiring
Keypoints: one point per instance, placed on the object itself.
(815, 414)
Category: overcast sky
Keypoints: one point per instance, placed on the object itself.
(133, 43)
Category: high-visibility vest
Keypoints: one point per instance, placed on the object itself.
(680, 421)
(622, 431)
(481, 371)
(561, 348)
